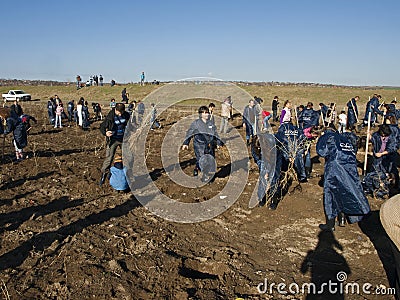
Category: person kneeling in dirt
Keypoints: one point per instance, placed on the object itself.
(20, 141)
(343, 192)
(378, 183)
(113, 127)
(205, 140)
(117, 175)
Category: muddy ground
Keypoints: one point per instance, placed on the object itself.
(64, 237)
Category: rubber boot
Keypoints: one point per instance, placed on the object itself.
(102, 179)
(342, 219)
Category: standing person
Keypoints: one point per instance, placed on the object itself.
(249, 120)
(309, 117)
(70, 109)
(211, 107)
(79, 107)
(78, 82)
(112, 103)
(59, 111)
(226, 109)
(275, 105)
(311, 133)
(205, 139)
(15, 125)
(16, 108)
(85, 116)
(153, 117)
(140, 111)
(343, 192)
(142, 77)
(342, 121)
(352, 113)
(124, 96)
(101, 80)
(113, 127)
(286, 115)
(373, 107)
(51, 110)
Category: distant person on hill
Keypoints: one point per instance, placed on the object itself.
(78, 82)
(124, 96)
(211, 107)
(153, 118)
(101, 80)
(112, 82)
(113, 127)
(142, 77)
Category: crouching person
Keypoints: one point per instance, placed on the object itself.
(117, 175)
(343, 192)
(113, 127)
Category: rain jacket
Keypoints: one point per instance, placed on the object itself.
(343, 191)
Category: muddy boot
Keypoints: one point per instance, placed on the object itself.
(195, 172)
(329, 226)
(103, 178)
(308, 172)
(342, 219)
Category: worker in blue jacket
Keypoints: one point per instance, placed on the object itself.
(373, 107)
(309, 117)
(352, 113)
(205, 140)
(290, 144)
(343, 192)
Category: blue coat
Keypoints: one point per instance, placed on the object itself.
(352, 112)
(308, 118)
(373, 107)
(290, 143)
(205, 138)
(19, 131)
(386, 162)
(343, 191)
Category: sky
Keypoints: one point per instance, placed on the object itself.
(346, 42)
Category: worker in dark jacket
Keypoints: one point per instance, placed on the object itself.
(15, 125)
(309, 117)
(205, 140)
(373, 107)
(113, 127)
(352, 113)
(343, 192)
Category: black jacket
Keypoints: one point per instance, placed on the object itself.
(108, 122)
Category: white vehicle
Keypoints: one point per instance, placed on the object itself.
(19, 95)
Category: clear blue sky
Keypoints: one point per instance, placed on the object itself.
(340, 42)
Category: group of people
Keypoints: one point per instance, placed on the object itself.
(93, 80)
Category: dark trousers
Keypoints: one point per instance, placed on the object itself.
(110, 152)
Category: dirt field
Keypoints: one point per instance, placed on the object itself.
(64, 237)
